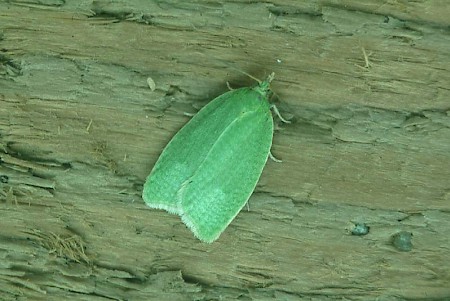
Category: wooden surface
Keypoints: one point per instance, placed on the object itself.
(366, 85)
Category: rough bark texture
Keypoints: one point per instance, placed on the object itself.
(365, 84)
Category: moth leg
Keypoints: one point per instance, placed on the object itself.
(273, 158)
(275, 110)
(229, 87)
(188, 114)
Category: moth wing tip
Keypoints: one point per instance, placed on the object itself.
(194, 228)
(168, 208)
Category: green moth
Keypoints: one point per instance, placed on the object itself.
(210, 168)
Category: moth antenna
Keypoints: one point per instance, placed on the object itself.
(248, 74)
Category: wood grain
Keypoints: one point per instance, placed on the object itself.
(365, 84)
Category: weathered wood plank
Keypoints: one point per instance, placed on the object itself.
(366, 85)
